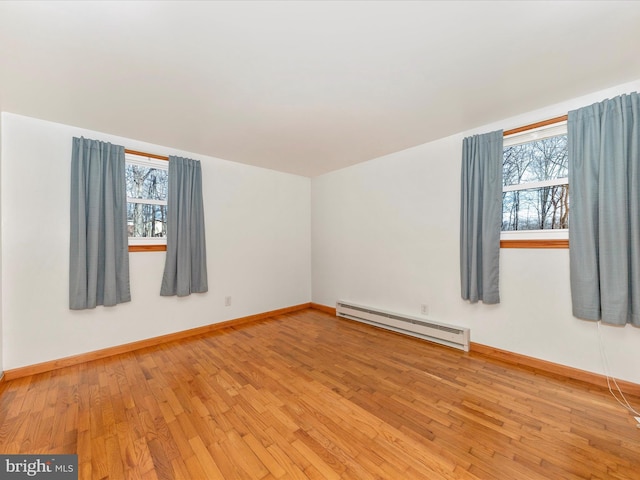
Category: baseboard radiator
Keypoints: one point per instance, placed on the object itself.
(450, 335)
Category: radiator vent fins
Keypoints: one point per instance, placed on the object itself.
(379, 313)
(450, 335)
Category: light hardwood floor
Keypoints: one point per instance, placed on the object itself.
(308, 395)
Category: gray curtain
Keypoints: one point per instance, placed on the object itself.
(604, 231)
(185, 270)
(481, 217)
(99, 251)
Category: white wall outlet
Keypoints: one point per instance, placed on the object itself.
(424, 309)
(227, 301)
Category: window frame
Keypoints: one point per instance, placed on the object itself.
(147, 244)
(548, 238)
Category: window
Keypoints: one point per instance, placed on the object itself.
(535, 193)
(147, 186)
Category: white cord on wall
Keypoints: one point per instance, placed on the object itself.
(611, 380)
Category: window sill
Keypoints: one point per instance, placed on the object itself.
(535, 243)
(147, 248)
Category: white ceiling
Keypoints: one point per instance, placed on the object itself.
(306, 87)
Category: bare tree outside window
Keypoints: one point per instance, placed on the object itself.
(147, 201)
(545, 203)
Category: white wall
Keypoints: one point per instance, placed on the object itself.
(386, 233)
(258, 249)
(1, 228)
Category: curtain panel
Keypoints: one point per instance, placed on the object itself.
(185, 270)
(604, 233)
(481, 217)
(99, 251)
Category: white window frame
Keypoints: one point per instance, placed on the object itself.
(527, 136)
(148, 162)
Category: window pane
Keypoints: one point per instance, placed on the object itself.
(145, 220)
(535, 161)
(536, 208)
(145, 182)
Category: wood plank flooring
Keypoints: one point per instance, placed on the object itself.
(309, 396)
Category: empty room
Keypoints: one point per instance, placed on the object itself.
(319, 240)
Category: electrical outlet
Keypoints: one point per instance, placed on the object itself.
(227, 301)
(424, 309)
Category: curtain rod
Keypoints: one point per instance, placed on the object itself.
(543, 123)
(145, 154)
